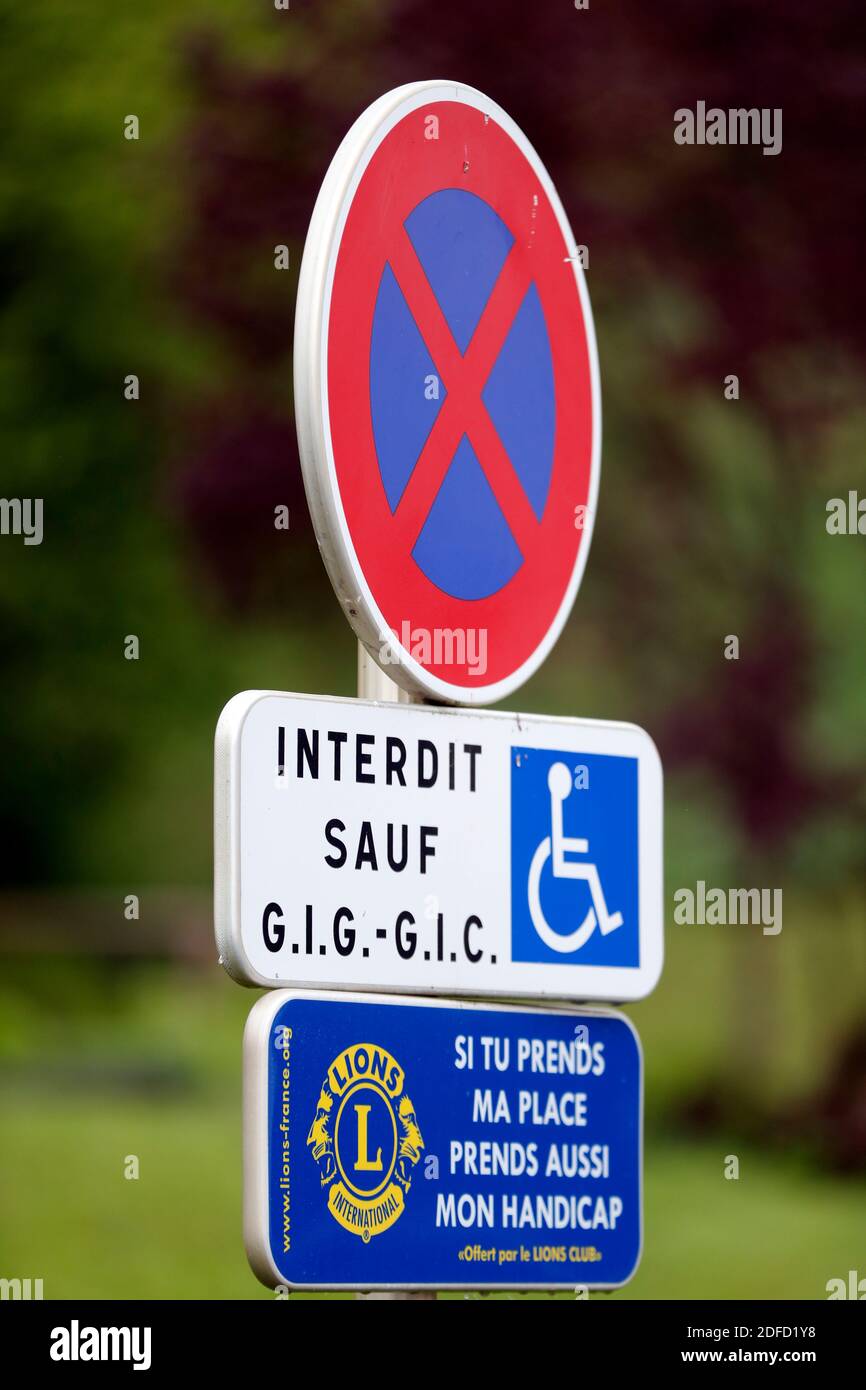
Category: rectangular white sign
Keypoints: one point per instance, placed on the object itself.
(441, 851)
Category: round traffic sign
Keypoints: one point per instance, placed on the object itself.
(446, 393)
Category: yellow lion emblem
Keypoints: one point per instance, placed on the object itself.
(366, 1139)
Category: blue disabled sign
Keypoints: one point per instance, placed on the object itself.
(600, 798)
(399, 1143)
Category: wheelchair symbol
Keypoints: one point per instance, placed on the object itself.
(557, 845)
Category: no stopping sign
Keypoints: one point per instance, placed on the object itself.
(446, 393)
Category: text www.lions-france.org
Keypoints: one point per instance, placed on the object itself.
(284, 1177)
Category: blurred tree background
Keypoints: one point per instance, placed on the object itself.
(155, 257)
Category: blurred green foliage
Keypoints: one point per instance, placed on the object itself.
(89, 741)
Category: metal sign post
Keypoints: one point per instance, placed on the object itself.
(373, 684)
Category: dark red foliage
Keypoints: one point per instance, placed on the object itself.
(748, 728)
(771, 245)
(774, 244)
(770, 248)
(836, 1117)
(238, 480)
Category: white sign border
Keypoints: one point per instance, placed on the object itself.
(255, 1137)
(311, 398)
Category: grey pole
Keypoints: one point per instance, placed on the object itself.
(373, 684)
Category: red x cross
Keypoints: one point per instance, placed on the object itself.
(463, 410)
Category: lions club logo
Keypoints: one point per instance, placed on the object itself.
(365, 1139)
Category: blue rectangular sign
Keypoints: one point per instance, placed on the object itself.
(414, 1143)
